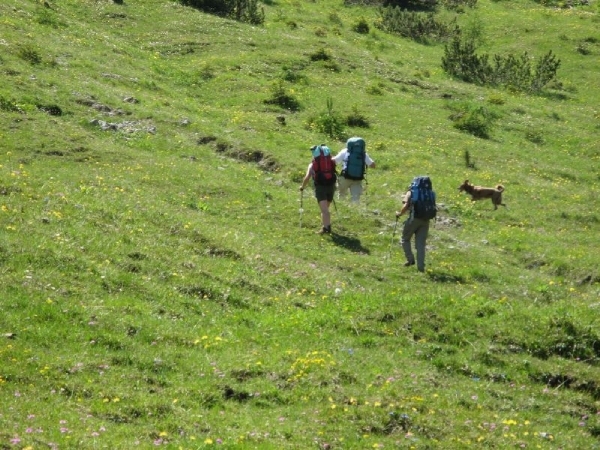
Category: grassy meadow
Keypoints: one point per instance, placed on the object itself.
(161, 284)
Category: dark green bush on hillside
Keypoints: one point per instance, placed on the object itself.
(361, 26)
(282, 98)
(418, 26)
(461, 61)
(413, 5)
(241, 10)
(477, 121)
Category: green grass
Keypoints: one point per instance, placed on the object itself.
(159, 287)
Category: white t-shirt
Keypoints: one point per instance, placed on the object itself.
(342, 157)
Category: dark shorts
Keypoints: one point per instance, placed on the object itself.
(324, 192)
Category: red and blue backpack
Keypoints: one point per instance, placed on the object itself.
(323, 166)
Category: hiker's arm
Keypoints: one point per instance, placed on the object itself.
(307, 177)
(369, 162)
(405, 204)
(339, 158)
(405, 208)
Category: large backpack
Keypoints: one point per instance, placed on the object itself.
(356, 165)
(422, 198)
(323, 166)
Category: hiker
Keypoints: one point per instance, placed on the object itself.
(354, 160)
(322, 171)
(420, 201)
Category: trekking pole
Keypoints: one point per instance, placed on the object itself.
(301, 205)
(393, 234)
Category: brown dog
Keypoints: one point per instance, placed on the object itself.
(479, 193)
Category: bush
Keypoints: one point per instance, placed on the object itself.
(9, 105)
(461, 61)
(477, 121)
(361, 26)
(329, 122)
(281, 98)
(241, 10)
(459, 5)
(320, 55)
(418, 26)
(357, 119)
(30, 54)
(414, 5)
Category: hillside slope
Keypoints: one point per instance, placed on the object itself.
(160, 279)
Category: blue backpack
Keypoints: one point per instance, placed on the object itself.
(422, 198)
(356, 164)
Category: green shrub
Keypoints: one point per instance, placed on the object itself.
(477, 121)
(8, 105)
(320, 55)
(281, 98)
(418, 26)
(329, 123)
(361, 27)
(461, 61)
(241, 10)
(414, 5)
(30, 54)
(357, 119)
(459, 5)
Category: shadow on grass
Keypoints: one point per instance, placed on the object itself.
(351, 243)
(445, 277)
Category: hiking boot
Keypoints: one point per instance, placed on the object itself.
(325, 230)
(409, 263)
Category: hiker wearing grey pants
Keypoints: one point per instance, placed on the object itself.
(419, 228)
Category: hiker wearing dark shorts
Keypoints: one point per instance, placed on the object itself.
(322, 171)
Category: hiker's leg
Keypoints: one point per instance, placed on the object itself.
(325, 215)
(407, 231)
(343, 185)
(356, 190)
(420, 243)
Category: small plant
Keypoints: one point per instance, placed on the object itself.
(335, 18)
(9, 105)
(206, 72)
(321, 32)
(534, 136)
(329, 122)
(584, 49)
(292, 76)
(357, 119)
(496, 99)
(281, 98)
(30, 54)
(476, 121)
(459, 5)
(469, 164)
(374, 90)
(361, 27)
(320, 55)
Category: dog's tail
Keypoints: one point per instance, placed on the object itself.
(500, 187)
